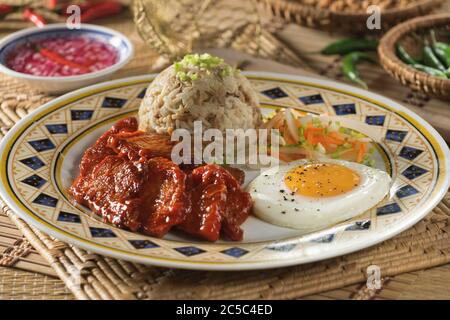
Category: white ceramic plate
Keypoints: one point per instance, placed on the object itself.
(41, 155)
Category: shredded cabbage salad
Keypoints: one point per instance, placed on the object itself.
(308, 136)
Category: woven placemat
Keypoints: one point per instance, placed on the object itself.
(91, 276)
(22, 285)
(16, 251)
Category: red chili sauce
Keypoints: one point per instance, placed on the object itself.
(62, 56)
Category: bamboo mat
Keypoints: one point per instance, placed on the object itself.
(90, 276)
(16, 251)
(21, 285)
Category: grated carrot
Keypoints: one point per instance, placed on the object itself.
(361, 152)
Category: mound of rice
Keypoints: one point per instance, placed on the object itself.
(199, 87)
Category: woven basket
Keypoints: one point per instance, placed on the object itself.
(296, 11)
(406, 34)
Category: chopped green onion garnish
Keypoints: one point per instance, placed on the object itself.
(201, 62)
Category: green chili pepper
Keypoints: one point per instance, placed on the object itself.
(429, 70)
(442, 51)
(349, 66)
(404, 56)
(430, 59)
(349, 45)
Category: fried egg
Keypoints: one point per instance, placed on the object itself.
(313, 195)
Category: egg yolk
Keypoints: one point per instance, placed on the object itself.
(320, 180)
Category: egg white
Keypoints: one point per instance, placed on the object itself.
(275, 203)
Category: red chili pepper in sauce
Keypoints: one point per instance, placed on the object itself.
(56, 57)
(5, 9)
(52, 4)
(32, 16)
(101, 10)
